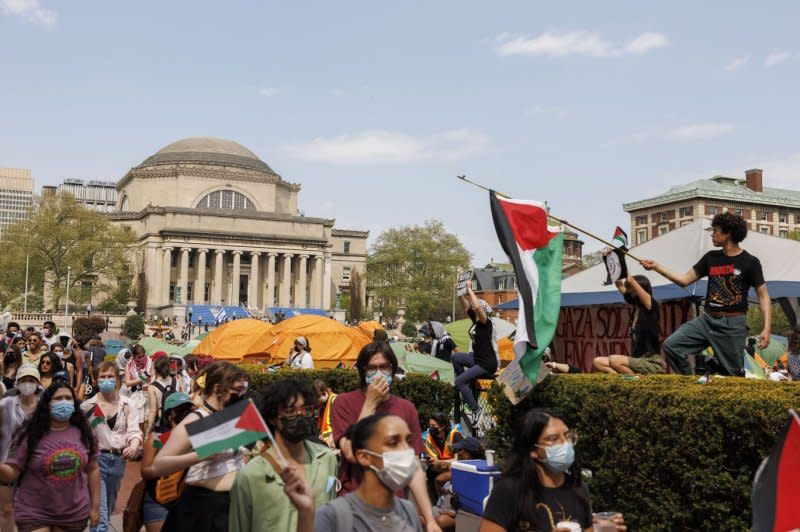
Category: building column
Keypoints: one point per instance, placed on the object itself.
(300, 300)
(200, 287)
(326, 282)
(183, 276)
(286, 280)
(253, 284)
(269, 287)
(166, 274)
(237, 272)
(316, 282)
(218, 262)
(152, 277)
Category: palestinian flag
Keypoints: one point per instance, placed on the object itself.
(616, 267)
(97, 417)
(535, 251)
(238, 425)
(159, 440)
(777, 483)
(434, 375)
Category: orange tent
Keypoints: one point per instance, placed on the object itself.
(370, 327)
(330, 341)
(236, 339)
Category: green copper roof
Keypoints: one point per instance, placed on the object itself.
(720, 188)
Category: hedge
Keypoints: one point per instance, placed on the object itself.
(670, 454)
(428, 395)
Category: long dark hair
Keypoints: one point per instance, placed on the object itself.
(55, 363)
(39, 424)
(522, 467)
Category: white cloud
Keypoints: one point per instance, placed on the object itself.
(267, 91)
(336, 92)
(782, 173)
(776, 58)
(388, 147)
(580, 42)
(699, 131)
(31, 11)
(646, 42)
(737, 63)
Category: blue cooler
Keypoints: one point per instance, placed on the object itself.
(472, 483)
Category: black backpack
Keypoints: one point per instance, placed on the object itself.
(166, 391)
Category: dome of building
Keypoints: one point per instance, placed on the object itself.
(208, 150)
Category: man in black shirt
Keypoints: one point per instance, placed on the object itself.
(731, 272)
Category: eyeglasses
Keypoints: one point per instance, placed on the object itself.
(555, 439)
(307, 410)
(382, 367)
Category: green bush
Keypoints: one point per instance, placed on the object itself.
(670, 454)
(409, 329)
(133, 327)
(428, 395)
(88, 326)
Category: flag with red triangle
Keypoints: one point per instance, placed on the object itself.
(777, 483)
(238, 425)
(97, 417)
(434, 375)
(159, 440)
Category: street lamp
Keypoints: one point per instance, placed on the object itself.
(66, 304)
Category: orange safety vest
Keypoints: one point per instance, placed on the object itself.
(325, 426)
(432, 448)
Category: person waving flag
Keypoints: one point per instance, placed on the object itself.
(534, 248)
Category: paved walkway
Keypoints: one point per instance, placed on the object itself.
(132, 476)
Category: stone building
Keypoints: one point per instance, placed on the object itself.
(772, 211)
(218, 226)
(16, 195)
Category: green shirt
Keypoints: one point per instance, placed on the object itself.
(258, 502)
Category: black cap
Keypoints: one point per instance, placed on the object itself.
(471, 445)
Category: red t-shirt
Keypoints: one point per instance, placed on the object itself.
(346, 409)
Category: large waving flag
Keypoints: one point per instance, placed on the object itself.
(777, 483)
(238, 425)
(535, 250)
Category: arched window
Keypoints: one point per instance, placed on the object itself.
(123, 205)
(226, 199)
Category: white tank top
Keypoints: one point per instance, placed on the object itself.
(218, 466)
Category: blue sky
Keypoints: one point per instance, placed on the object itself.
(375, 107)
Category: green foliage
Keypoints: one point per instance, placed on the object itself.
(62, 236)
(428, 395)
(133, 327)
(87, 326)
(117, 302)
(779, 324)
(670, 454)
(415, 267)
(409, 329)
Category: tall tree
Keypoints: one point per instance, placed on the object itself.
(415, 267)
(60, 236)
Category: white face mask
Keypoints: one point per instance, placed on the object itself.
(399, 468)
(27, 388)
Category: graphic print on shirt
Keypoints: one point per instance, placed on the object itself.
(63, 464)
(725, 286)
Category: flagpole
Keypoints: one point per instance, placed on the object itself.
(559, 220)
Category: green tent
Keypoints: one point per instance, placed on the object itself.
(414, 362)
(459, 332)
(153, 345)
(773, 351)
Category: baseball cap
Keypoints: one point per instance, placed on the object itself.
(28, 370)
(176, 399)
(471, 445)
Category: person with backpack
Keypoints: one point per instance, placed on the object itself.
(161, 493)
(383, 450)
(116, 425)
(289, 408)
(159, 390)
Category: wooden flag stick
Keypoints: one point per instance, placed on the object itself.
(559, 220)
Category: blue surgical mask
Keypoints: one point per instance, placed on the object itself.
(107, 385)
(62, 410)
(387, 376)
(560, 457)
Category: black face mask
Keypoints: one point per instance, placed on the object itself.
(297, 428)
(232, 400)
(434, 432)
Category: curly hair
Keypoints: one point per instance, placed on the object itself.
(731, 224)
(38, 425)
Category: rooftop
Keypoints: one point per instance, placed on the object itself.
(720, 188)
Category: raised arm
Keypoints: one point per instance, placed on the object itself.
(681, 280)
(641, 294)
(473, 302)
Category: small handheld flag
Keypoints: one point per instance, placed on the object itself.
(97, 417)
(616, 268)
(233, 427)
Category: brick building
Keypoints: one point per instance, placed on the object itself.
(772, 211)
